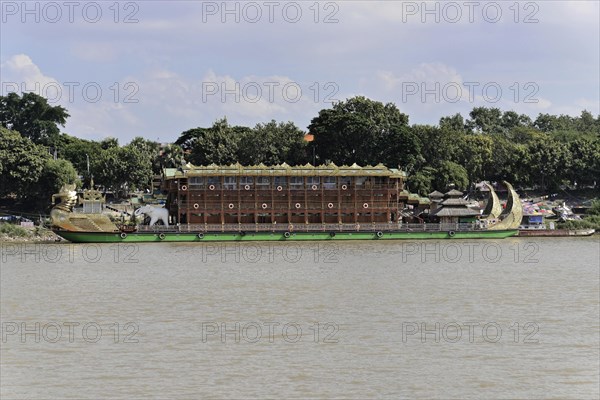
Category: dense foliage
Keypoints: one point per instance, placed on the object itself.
(28, 172)
(269, 143)
(489, 145)
(32, 116)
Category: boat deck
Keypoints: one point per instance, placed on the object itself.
(375, 227)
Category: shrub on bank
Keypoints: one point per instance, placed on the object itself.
(594, 209)
(589, 222)
(12, 230)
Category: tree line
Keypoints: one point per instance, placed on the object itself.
(36, 158)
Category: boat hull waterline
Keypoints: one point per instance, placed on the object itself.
(198, 237)
(556, 232)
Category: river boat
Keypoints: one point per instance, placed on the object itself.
(283, 203)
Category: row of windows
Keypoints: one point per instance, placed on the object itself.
(266, 179)
(328, 182)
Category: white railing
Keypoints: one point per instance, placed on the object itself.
(360, 227)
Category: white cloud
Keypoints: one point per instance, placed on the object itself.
(165, 102)
(88, 118)
(20, 71)
(172, 51)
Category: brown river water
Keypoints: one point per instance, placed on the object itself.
(513, 318)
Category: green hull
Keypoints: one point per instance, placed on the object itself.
(138, 237)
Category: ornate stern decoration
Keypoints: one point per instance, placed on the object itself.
(63, 217)
(512, 215)
(60, 212)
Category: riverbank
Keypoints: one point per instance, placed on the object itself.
(16, 233)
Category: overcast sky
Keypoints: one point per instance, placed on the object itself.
(157, 68)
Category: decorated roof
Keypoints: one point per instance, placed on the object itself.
(284, 170)
(454, 202)
(454, 212)
(454, 193)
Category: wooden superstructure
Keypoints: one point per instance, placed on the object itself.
(282, 194)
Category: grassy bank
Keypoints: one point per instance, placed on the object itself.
(16, 233)
(590, 221)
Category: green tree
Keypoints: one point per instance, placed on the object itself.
(78, 151)
(449, 173)
(586, 123)
(146, 146)
(137, 167)
(549, 123)
(485, 120)
(507, 156)
(21, 164)
(584, 165)
(475, 155)
(56, 173)
(454, 123)
(523, 135)
(357, 130)
(150, 150)
(28, 172)
(403, 149)
(511, 120)
(547, 162)
(123, 169)
(421, 182)
(272, 143)
(438, 144)
(217, 144)
(170, 156)
(109, 142)
(32, 116)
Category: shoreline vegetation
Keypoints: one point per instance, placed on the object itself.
(591, 220)
(19, 234)
(547, 154)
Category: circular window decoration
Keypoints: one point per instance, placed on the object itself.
(298, 205)
(330, 205)
(247, 187)
(264, 206)
(212, 187)
(344, 187)
(279, 188)
(366, 205)
(314, 187)
(184, 187)
(196, 206)
(231, 206)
